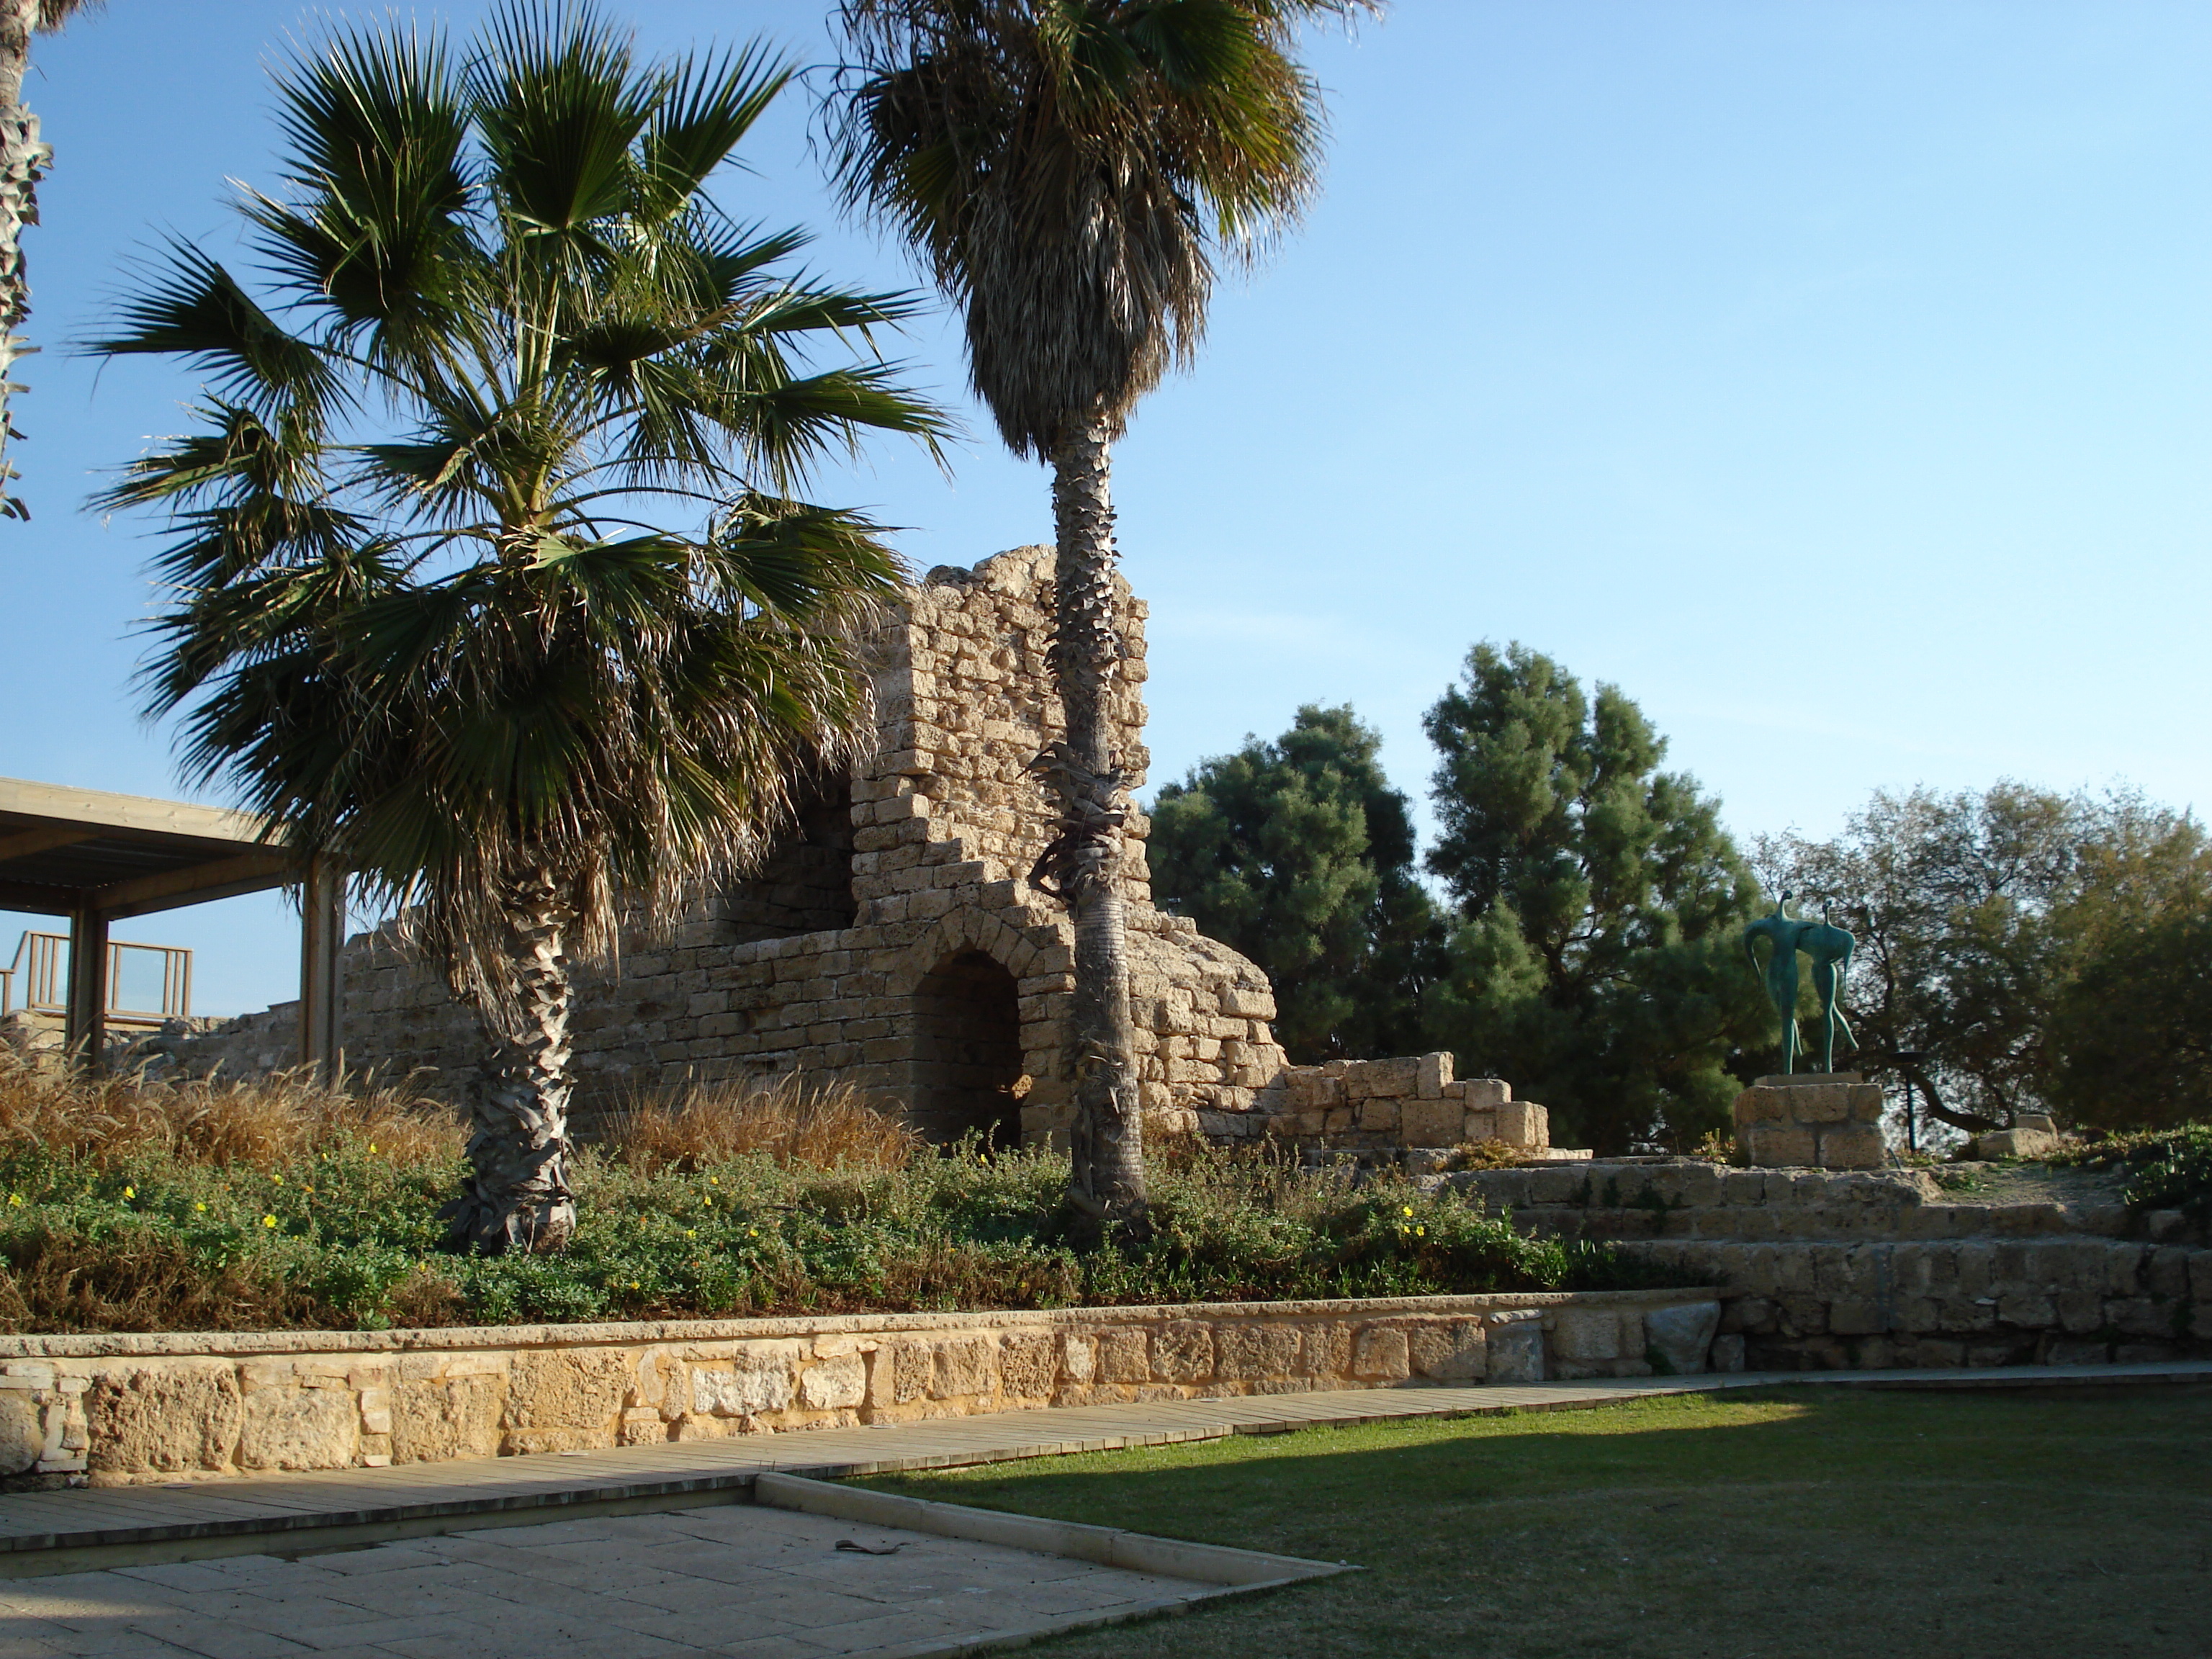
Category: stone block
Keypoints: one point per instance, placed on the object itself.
(1125, 1356)
(1758, 1106)
(1433, 1071)
(1457, 1352)
(1381, 1116)
(1431, 1122)
(1852, 1147)
(22, 1431)
(962, 1365)
(1516, 1350)
(1392, 1080)
(434, 1419)
(1477, 1124)
(1252, 1351)
(1380, 1353)
(1587, 1334)
(1727, 1353)
(573, 1390)
(1780, 1145)
(1078, 1358)
(1681, 1337)
(2016, 1142)
(756, 1378)
(163, 1417)
(834, 1384)
(1182, 1352)
(297, 1428)
(1523, 1123)
(1029, 1364)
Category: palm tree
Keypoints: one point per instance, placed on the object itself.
(24, 159)
(1068, 170)
(426, 616)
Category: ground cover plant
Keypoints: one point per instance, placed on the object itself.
(273, 1204)
(2161, 1169)
(1852, 1524)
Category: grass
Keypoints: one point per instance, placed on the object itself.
(272, 1204)
(1845, 1523)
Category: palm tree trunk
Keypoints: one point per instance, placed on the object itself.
(23, 162)
(1106, 1177)
(516, 1196)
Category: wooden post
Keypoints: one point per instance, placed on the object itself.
(84, 1029)
(322, 933)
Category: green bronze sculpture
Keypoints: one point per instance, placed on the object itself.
(1830, 948)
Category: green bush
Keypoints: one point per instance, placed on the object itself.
(2165, 1168)
(349, 1237)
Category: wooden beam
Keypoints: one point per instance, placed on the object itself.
(21, 843)
(106, 810)
(39, 898)
(322, 997)
(84, 1029)
(248, 872)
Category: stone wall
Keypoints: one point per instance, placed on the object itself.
(883, 943)
(124, 1409)
(1823, 1270)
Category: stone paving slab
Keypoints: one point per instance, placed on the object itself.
(761, 1582)
(221, 1516)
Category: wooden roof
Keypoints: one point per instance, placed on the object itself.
(64, 849)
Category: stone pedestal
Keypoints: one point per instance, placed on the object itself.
(1811, 1120)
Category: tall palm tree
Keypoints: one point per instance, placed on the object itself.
(24, 159)
(425, 614)
(1068, 170)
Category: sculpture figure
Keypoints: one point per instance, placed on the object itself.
(1830, 948)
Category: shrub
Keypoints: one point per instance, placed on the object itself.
(2165, 1169)
(275, 1205)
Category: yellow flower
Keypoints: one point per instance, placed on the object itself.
(372, 1145)
(752, 1232)
(269, 1221)
(690, 1233)
(1409, 1209)
(1420, 1232)
(634, 1285)
(14, 1200)
(714, 1181)
(200, 1207)
(279, 1180)
(130, 1192)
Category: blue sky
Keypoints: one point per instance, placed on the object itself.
(1836, 379)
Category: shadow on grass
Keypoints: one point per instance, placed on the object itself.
(1795, 1523)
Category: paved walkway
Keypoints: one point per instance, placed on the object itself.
(216, 1518)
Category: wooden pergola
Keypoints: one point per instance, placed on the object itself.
(98, 858)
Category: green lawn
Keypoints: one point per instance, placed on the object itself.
(1829, 1523)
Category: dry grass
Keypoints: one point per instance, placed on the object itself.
(259, 1122)
(792, 1120)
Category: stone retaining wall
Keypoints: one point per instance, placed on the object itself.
(131, 1409)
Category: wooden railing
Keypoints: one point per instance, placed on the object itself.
(41, 966)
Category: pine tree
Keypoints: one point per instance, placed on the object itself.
(1596, 959)
(1299, 854)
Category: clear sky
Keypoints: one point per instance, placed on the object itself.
(1835, 378)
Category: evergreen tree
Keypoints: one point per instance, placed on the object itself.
(1596, 960)
(1299, 854)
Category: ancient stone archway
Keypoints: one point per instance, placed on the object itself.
(967, 1072)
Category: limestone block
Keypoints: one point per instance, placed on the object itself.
(1028, 1363)
(1253, 1351)
(1852, 1147)
(833, 1384)
(1681, 1337)
(1380, 1352)
(1587, 1334)
(22, 1431)
(1125, 1356)
(1481, 1093)
(1431, 1122)
(1078, 1358)
(571, 1390)
(297, 1428)
(2016, 1142)
(1515, 1350)
(1457, 1352)
(1523, 1123)
(1325, 1350)
(1758, 1106)
(1182, 1352)
(1392, 1079)
(434, 1419)
(1433, 1071)
(1478, 1125)
(755, 1378)
(1780, 1145)
(169, 1417)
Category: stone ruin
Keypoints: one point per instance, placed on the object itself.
(891, 941)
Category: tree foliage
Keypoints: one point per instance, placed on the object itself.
(2043, 950)
(426, 609)
(1595, 960)
(1299, 854)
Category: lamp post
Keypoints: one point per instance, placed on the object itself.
(1908, 1063)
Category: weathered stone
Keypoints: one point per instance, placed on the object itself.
(755, 1378)
(962, 1366)
(1515, 1351)
(2017, 1142)
(1380, 1352)
(834, 1384)
(567, 1390)
(164, 1419)
(1587, 1334)
(1457, 1353)
(1028, 1364)
(1182, 1352)
(434, 1419)
(1254, 1350)
(22, 1431)
(298, 1428)
(1125, 1356)
(1430, 1122)
(1678, 1340)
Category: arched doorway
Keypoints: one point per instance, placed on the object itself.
(967, 1072)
